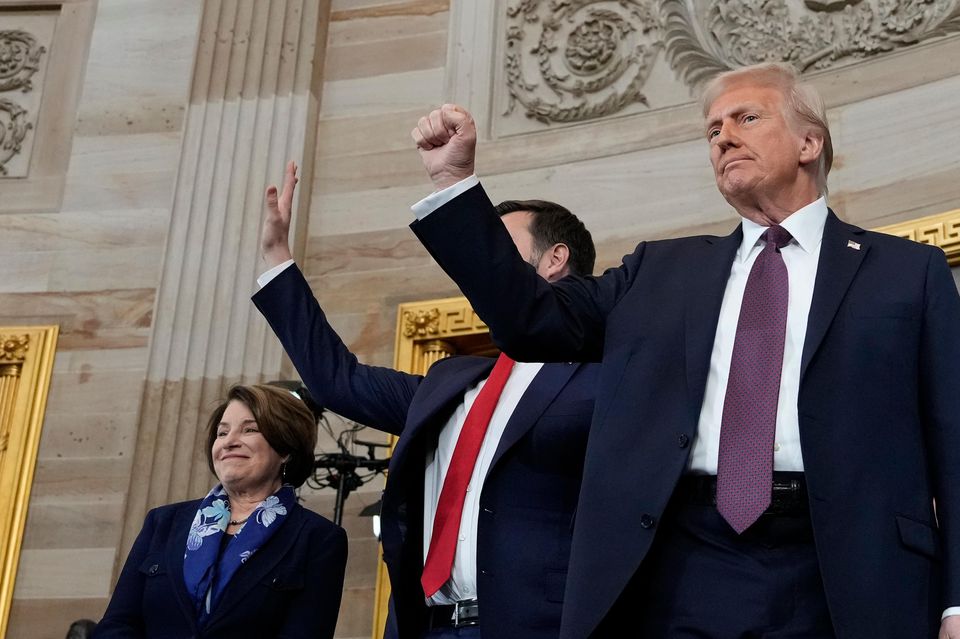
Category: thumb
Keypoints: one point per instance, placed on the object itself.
(272, 197)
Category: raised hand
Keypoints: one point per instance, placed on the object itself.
(447, 141)
(274, 237)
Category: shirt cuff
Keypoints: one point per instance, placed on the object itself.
(267, 277)
(435, 200)
(950, 612)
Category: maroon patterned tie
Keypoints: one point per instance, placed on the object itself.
(749, 421)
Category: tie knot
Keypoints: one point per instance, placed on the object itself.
(777, 235)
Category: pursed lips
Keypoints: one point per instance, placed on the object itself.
(727, 163)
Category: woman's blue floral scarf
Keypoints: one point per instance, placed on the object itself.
(207, 570)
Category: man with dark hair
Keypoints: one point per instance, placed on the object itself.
(777, 412)
(551, 224)
(484, 480)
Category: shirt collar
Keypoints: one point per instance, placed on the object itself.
(805, 225)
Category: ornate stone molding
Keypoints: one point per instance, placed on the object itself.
(20, 54)
(576, 60)
(14, 126)
(579, 59)
(706, 37)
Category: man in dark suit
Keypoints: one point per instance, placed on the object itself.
(778, 409)
(505, 570)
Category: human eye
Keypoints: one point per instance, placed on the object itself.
(251, 428)
(750, 117)
(222, 432)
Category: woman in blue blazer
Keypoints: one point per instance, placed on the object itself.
(247, 560)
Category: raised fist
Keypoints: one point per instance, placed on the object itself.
(447, 141)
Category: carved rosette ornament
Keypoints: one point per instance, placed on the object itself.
(13, 348)
(573, 60)
(421, 323)
(19, 59)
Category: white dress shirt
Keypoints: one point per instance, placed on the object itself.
(463, 576)
(801, 257)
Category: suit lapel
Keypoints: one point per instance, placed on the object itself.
(706, 278)
(542, 391)
(260, 564)
(426, 413)
(176, 547)
(838, 264)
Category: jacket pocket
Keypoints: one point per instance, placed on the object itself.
(919, 536)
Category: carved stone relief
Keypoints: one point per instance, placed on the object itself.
(21, 55)
(576, 60)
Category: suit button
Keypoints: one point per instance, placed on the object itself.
(153, 569)
(646, 521)
(487, 511)
(683, 441)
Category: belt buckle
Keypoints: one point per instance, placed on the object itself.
(469, 621)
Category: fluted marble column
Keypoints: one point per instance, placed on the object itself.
(253, 105)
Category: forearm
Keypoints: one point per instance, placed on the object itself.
(529, 319)
(375, 396)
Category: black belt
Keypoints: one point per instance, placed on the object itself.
(789, 495)
(456, 615)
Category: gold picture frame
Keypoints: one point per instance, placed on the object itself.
(26, 367)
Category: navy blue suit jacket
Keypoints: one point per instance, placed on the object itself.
(289, 588)
(879, 403)
(530, 493)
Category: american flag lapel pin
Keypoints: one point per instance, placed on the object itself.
(854, 245)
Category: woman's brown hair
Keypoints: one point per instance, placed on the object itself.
(284, 421)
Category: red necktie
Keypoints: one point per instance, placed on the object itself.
(446, 522)
(749, 422)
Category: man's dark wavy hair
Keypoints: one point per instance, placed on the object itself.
(555, 224)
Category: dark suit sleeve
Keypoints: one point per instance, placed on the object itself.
(124, 615)
(371, 395)
(313, 613)
(529, 319)
(940, 406)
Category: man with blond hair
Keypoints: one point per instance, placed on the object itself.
(778, 408)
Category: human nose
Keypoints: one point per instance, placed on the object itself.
(230, 439)
(726, 136)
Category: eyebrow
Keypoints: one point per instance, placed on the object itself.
(246, 421)
(737, 110)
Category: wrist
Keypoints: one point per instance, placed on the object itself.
(447, 179)
(276, 257)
